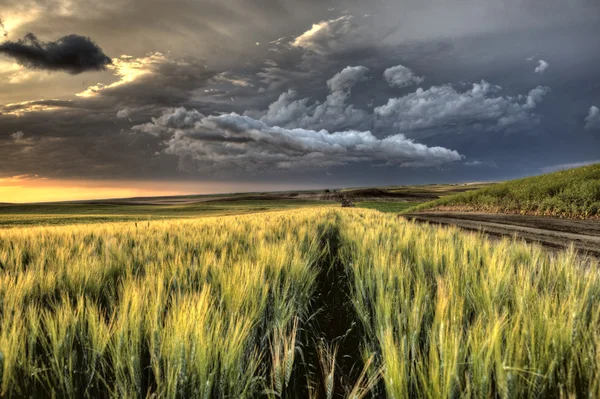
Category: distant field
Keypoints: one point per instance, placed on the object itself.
(573, 193)
(385, 199)
(405, 198)
(439, 189)
(75, 213)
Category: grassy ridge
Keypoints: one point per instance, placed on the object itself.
(573, 193)
(453, 315)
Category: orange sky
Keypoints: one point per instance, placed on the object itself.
(20, 189)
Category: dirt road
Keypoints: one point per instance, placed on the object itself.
(551, 232)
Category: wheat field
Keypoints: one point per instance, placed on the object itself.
(450, 314)
(222, 308)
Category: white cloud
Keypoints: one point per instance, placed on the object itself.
(443, 107)
(542, 66)
(347, 78)
(592, 121)
(227, 77)
(535, 96)
(278, 46)
(123, 113)
(303, 134)
(128, 69)
(331, 115)
(287, 110)
(18, 135)
(232, 140)
(401, 76)
(332, 36)
(175, 118)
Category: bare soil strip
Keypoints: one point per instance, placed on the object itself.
(333, 329)
(556, 233)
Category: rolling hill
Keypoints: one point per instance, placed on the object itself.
(573, 193)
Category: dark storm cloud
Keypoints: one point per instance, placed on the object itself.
(73, 54)
(234, 26)
(76, 143)
(166, 82)
(88, 136)
(273, 99)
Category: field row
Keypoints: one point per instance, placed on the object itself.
(272, 305)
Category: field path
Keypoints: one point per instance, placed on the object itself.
(551, 232)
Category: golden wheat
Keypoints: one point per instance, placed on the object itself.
(172, 309)
(453, 314)
(213, 308)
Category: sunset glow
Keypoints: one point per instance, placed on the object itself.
(24, 189)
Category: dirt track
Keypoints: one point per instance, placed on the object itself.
(551, 232)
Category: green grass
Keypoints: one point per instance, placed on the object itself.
(573, 193)
(392, 207)
(72, 213)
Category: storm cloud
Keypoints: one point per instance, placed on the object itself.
(333, 114)
(188, 94)
(444, 108)
(237, 141)
(292, 134)
(401, 76)
(73, 54)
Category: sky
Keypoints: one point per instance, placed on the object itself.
(146, 97)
